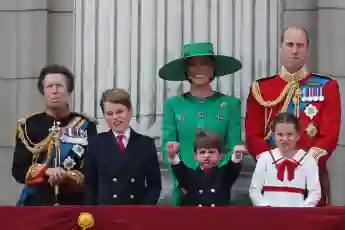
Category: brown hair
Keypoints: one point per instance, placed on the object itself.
(206, 140)
(116, 96)
(56, 69)
(287, 118)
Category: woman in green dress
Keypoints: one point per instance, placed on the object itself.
(201, 108)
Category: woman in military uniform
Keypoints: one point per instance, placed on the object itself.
(201, 108)
(49, 150)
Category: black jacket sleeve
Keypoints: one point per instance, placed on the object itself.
(91, 174)
(153, 176)
(22, 160)
(233, 171)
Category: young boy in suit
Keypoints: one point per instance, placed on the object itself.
(207, 185)
(121, 167)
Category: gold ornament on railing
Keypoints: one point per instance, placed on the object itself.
(85, 220)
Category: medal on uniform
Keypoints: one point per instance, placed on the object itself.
(79, 150)
(304, 94)
(310, 94)
(82, 133)
(69, 163)
(315, 94)
(311, 130)
(321, 97)
(311, 111)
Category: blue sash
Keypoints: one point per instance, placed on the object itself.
(66, 147)
(65, 150)
(313, 82)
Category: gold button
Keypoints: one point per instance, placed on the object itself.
(114, 179)
(212, 205)
(213, 190)
(200, 191)
(115, 196)
(131, 196)
(132, 180)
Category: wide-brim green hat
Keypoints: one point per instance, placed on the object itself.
(176, 70)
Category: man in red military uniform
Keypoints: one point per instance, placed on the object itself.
(313, 98)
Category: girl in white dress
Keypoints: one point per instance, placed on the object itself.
(285, 174)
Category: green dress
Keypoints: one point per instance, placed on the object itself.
(185, 115)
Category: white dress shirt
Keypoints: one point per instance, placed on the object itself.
(126, 134)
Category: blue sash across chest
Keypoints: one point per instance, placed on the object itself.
(312, 90)
(67, 146)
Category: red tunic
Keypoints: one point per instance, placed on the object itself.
(326, 120)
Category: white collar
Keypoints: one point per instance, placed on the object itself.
(297, 157)
(126, 133)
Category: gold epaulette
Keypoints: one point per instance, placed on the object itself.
(91, 120)
(24, 119)
(267, 104)
(290, 92)
(21, 133)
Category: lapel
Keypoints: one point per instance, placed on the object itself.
(131, 142)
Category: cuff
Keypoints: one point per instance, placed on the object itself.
(36, 174)
(76, 176)
(317, 153)
(174, 161)
(236, 159)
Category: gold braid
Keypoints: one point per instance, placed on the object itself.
(290, 91)
(34, 148)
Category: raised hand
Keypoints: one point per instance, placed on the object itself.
(173, 148)
(239, 151)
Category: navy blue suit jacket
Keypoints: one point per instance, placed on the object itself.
(112, 177)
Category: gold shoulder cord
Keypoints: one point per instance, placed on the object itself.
(291, 91)
(89, 119)
(34, 148)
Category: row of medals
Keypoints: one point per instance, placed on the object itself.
(312, 94)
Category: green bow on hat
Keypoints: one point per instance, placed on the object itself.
(176, 70)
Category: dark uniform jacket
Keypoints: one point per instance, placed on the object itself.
(131, 177)
(31, 157)
(206, 188)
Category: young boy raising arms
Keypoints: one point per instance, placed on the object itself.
(209, 184)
